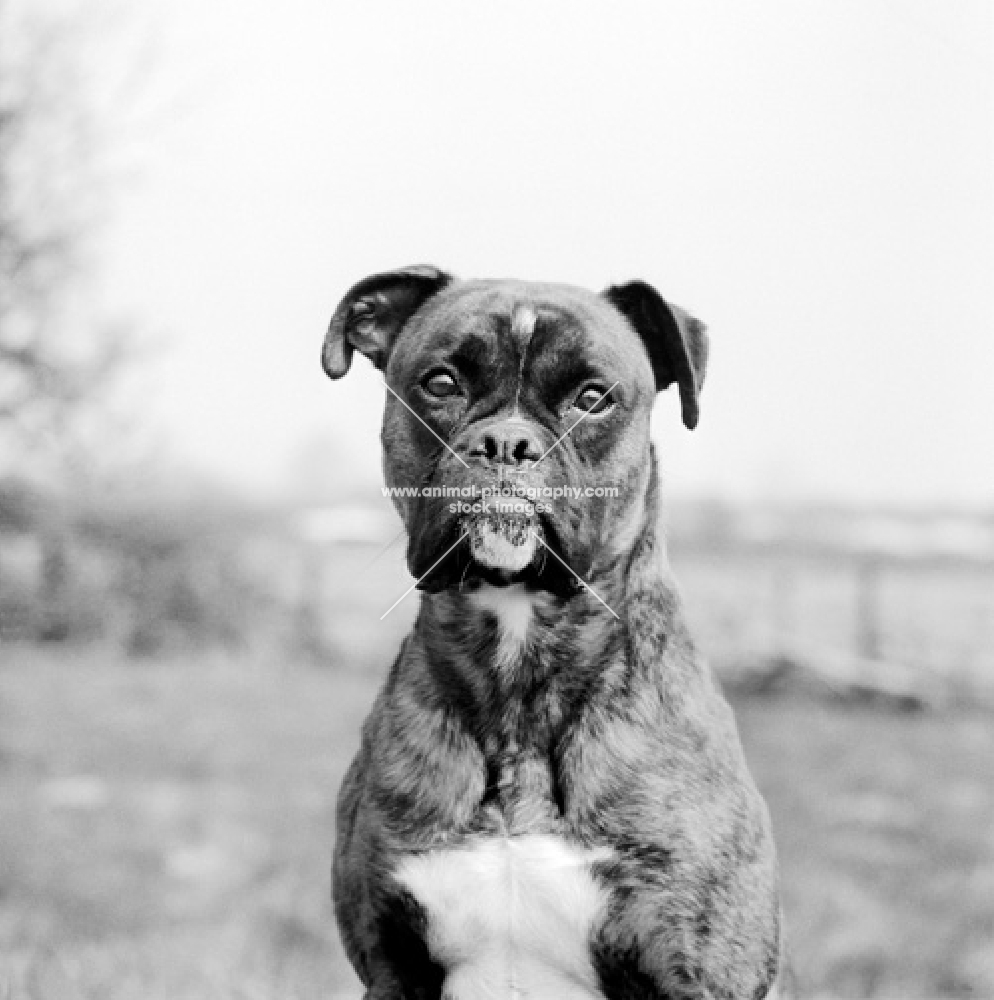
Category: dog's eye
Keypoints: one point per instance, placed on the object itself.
(594, 399)
(439, 383)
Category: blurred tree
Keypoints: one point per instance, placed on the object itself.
(55, 360)
(58, 355)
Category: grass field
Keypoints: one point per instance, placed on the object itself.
(166, 827)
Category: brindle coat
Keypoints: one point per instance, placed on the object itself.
(603, 730)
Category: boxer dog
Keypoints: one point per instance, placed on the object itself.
(550, 800)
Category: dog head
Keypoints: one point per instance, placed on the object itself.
(519, 414)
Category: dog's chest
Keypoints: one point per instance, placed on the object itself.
(511, 917)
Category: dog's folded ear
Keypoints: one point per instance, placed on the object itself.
(374, 311)
(677, 343)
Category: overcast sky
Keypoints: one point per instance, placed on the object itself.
(812, 179)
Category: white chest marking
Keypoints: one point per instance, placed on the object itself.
(511, 917)
(523, 320)
(514, 609)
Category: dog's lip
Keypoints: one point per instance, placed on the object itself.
(500, 518)
(502, 541)
(543, 571)
(479, 574)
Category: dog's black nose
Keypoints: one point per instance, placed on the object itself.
(508, 442)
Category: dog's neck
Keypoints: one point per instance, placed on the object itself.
(507, 646)
(519, 671)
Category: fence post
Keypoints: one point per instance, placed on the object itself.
(54, 583)
(868, 573)
(783, 602)
(311, 611)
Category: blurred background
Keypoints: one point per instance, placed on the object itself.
(194, 549)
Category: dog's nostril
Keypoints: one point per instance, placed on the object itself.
(505, 444)
(524, 451)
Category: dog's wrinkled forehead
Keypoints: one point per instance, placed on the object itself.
(397, 318)
(497, 326)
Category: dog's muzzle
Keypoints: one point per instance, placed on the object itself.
(505, 536)
(507, 542)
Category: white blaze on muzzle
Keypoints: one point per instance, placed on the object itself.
(506, 543)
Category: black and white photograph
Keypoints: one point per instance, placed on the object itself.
(496, 500)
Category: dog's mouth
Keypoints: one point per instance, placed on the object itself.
(506, 544)
(501, 540)
(501, 550)
(506, 549)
